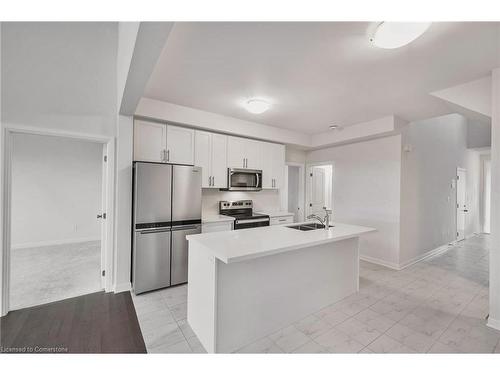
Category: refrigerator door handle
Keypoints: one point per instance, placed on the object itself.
(185, 227)
(154, 230)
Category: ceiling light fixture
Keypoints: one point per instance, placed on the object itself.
(334, 127)
(397, 34)
(257, 106)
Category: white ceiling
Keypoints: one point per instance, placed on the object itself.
(318, 74)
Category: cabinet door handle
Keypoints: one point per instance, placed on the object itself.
(168, 155)
(213, 180)
(163, 155)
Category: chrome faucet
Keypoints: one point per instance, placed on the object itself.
(324, 221)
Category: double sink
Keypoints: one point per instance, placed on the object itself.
(308, 226)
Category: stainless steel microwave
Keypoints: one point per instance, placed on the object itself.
(239, 179)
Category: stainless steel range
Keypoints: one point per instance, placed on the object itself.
(243, 213)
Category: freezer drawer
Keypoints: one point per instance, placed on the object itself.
(180, 252)
(186, 195)
(153, 190)
(151, 260)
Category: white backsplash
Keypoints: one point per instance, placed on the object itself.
(268, 200)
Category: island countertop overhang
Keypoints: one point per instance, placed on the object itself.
(246, 244)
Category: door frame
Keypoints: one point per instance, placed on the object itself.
(301, 166)
(460, 169)
(107, 229)
(309, 184)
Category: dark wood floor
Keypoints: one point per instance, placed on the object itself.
(94, 323)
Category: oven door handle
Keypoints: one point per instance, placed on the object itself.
(249, 221)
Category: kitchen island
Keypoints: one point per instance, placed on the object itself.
(245, 284)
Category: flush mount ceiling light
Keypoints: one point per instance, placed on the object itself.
(334, 127)
(256, 106)
(397, 34)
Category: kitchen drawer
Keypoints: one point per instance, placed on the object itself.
(217, 227)
(282, 220)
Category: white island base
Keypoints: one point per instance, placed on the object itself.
(234, 303)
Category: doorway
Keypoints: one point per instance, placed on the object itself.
(58, 236)
(462, 209)
(295, 190)
(319, 188)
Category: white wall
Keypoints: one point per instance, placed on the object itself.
(428, 200)
(494, 318)
(264, 200)
(127, 35)
(295, 155)
(160, 110)
(123, 253)
(478, 134)
(367, 192)
(56, 190)
(486, 193)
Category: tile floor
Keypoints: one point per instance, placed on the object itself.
(52, 273)
(435, 306)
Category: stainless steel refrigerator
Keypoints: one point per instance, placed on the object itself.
(167, 207)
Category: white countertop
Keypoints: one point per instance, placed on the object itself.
(216, 218)
(275, 213)
(245, 244)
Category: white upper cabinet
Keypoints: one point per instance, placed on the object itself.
(236, 156)
(219, 161)
(150, 141)
(253, 154)
(213, 152)
(211, 156)
(180, 145)
(202, 156)
(243, 153)
(162, 143)
(273, 165)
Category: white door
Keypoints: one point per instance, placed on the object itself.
(180, 145)
(294, 191)
(149, 141)
(219, 161)
(236, 152)
(253, 154)
(317, 191)
(461, 203)
(202, 156)
(103, 215)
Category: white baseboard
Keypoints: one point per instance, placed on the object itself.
(26, 245)
(380, 262)
(430, 253)
(122, 287)
(493, 323)
(401, 266)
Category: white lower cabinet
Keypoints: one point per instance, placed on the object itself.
(279, 220)
(220, 226)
